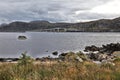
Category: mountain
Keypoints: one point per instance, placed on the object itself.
(102, 25)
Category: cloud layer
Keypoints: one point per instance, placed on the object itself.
(51, 10)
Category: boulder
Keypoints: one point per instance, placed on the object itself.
(102, 57)
(91, 48)
(93, 56)
(55, 53)
(22, 37)
(116, 53)
(79, 59)
(71, 57)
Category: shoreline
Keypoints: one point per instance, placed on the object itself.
(105, 53)
(99, 63)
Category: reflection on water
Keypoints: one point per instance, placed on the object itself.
(40, 44)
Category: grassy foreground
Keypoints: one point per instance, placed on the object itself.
(25, 69)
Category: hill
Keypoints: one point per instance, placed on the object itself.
(102, 25)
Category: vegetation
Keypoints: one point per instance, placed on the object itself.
(25, 60)
(26, 69)
(103, 25)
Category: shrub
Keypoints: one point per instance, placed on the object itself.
(25, 60)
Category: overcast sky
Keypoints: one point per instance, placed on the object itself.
(58, 10)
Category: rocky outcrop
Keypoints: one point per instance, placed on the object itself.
(107, 52)
(108, 48)
(71, 56)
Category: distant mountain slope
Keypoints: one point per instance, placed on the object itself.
(103, 25)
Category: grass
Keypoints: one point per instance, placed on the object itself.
(25, 69)
(59, 71)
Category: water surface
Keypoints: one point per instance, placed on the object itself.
(41, 44)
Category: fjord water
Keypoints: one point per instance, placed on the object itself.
(39, 44)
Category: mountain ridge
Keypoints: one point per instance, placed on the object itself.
(101, 25)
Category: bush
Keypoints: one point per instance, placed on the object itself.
(25, 60)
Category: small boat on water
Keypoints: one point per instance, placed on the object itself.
(22, 37)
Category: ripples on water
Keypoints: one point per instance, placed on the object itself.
(41, 44)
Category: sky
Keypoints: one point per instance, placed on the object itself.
(58, 10)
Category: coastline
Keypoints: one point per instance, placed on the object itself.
(67, 66)
(108, 53)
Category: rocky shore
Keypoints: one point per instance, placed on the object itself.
(94, 63)
(107, 52)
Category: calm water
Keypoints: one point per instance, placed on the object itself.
(41, 44)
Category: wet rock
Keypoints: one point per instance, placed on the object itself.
(62, 56)
(107, 49)
(2, 60)
(55, 53)
(110, 48)
(22, 37)
(38, 59)
(8, 59)
(15, 59)
(91, 48)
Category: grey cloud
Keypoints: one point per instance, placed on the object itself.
(93, 16)
(51, 10)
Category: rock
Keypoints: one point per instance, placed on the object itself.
(110, 48)
(106, 53)
(71, 57)
(79, 59)
(105, 49)
(91, 48)
(93, 56)
(8, 59)
(102, 57)
(2, 59)
(55, 53)
(116, 53)
(99, 56)
(62, 56)
(22, 37)
(82, 56)
(15, 59)
(37, 59)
